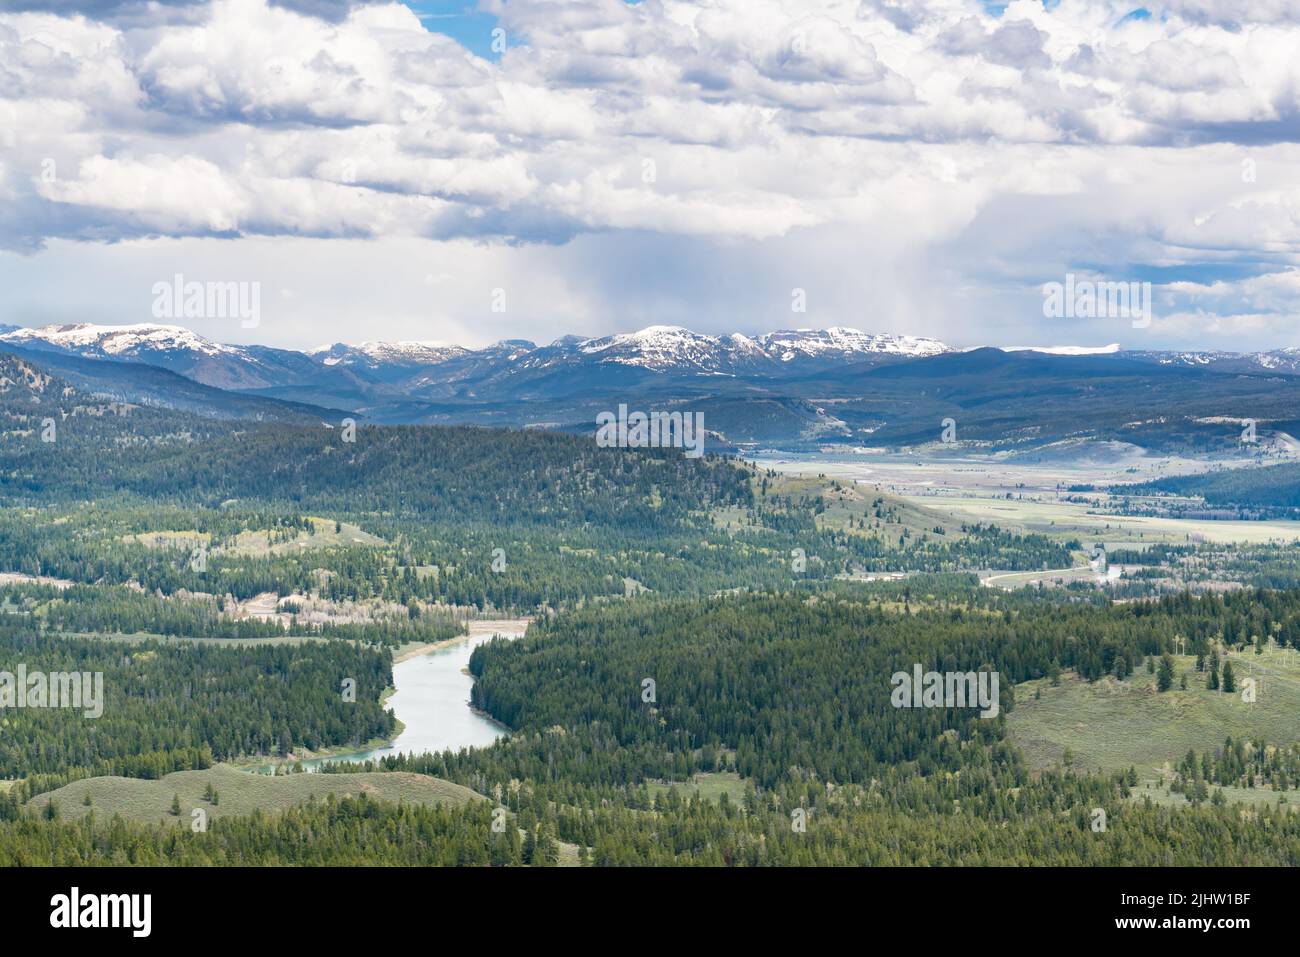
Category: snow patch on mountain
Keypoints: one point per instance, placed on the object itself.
(1067, 350)
(85, 337)
(842, 341)
(663, 347)
(413, 352)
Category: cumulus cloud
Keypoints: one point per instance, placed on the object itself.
(992, 151)
(1016, 44)
(1231, 14)
(127, 11)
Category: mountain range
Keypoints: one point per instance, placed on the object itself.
(790, 389)
(413, 368)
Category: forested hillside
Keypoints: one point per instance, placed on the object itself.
(172, 706)
(1273, 488)
(793, 682)
(460, 516)
(793, 694)
(697, 620)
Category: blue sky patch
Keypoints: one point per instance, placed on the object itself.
(462, 21)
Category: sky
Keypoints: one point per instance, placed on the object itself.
(466, 172)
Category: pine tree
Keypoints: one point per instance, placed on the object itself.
(548, 851)
(176, 805)
(530, 847)
(1229, 681)
(1165, 679)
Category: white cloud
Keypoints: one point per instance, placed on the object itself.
(971, 156)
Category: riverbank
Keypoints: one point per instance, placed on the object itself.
(506, 627)
(430, 699)
(259, 764)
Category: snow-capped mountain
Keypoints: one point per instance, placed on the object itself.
(171, 347)
(1066, 350)
(1285, 361)
(664, 347)
(371, 355)
(849, 344)
(89, 339)
(673, 349)
(669, 347)
(659, 348)
(375, 373)
(349, 373)
(800, 386)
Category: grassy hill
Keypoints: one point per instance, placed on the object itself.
(1115, 725)
(239, 792)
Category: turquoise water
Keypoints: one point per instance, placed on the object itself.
(432, 700)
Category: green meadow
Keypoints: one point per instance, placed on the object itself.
(238, 793)
(1114, 725)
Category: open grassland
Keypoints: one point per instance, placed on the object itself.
(846, 506)
(1052, 576)
(709, 785)
(951, 490)
(890, 515)
(324, 533)
(1063, 521)
(239, 793)
(1115, 725)
(1153, 790)
(937, 468)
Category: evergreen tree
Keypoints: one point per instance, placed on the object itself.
(1165, 679)
(530, 846)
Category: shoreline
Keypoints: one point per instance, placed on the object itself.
(509, 627)
(407, 652)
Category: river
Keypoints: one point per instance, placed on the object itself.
(432, 699)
